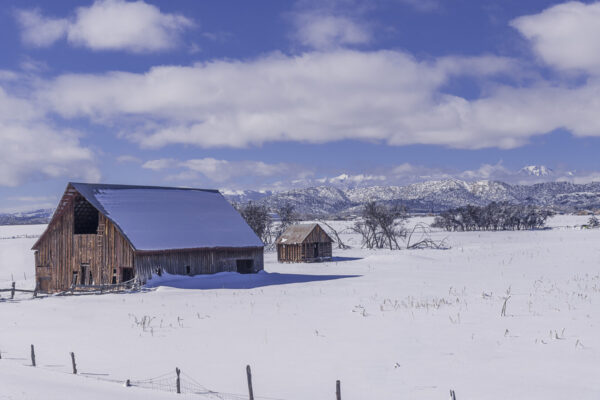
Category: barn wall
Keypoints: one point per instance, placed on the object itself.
(59, 253)
(200, 261)
(54, 252)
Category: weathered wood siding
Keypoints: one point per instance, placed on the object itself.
(107, 253)
(305, 251)
(199, 261)
(59, 253)
(317, 235)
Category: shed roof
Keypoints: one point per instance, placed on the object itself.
(164, 218)
(295, 234)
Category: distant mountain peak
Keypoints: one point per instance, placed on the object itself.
(536, 170)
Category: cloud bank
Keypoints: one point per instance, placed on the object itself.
(32, 147)
(315, 97)
(107, 25)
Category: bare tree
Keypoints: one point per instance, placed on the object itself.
(333, 232)
(287, 216)
(381, 225)
(419, 237)
(257, 216)
(593, 222)
(494, 216)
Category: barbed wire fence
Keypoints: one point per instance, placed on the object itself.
(174, 381)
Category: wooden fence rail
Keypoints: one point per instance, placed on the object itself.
(14, 290)
(78, 289)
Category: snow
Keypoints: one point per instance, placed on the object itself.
(388, 324)
(22, 382)
(536, 170)
(16, 257)
(168, 218)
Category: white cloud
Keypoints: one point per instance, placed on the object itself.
(221, 170)
(565, 36)
(487, 172)
(107, 25)
(314, 97)
(160, 164)
(329, 31)
(32, 148)
(358, 179)
(40, 31)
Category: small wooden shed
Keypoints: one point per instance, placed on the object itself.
(304, 243)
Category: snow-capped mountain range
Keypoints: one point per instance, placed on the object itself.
(430, 196)
(536, 170)
(346, 194)
(41, 216)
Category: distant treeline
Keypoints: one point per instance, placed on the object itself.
(12, 220)
(493, 217)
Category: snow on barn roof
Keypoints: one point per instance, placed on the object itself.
(165, 218)
(295, 234)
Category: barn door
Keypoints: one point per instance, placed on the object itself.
(126, 274)
(316, 250)
(85, 268)
(244, 266)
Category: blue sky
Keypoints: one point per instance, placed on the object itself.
(279, 94)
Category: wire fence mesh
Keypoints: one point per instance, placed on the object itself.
(189, 387)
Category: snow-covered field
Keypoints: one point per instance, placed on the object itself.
(390, 325)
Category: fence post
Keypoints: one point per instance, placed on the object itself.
(338, 391)
(249, 376)
(73, 363)
(32, 356)
(178, 372)
(12, 291)
(452, 395)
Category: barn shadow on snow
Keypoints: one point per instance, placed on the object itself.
(241, 281)
(343, 259)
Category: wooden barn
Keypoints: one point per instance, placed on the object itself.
(109, 234)
(304, 243)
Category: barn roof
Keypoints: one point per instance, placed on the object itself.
(165, 218)
(295, 234)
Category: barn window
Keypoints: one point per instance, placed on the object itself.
(188, 269)
(114, 277)
(74, 279)
(127, 274)
(159, 271)
(244, 266)
(85, 218)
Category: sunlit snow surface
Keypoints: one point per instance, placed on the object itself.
(389, 325)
